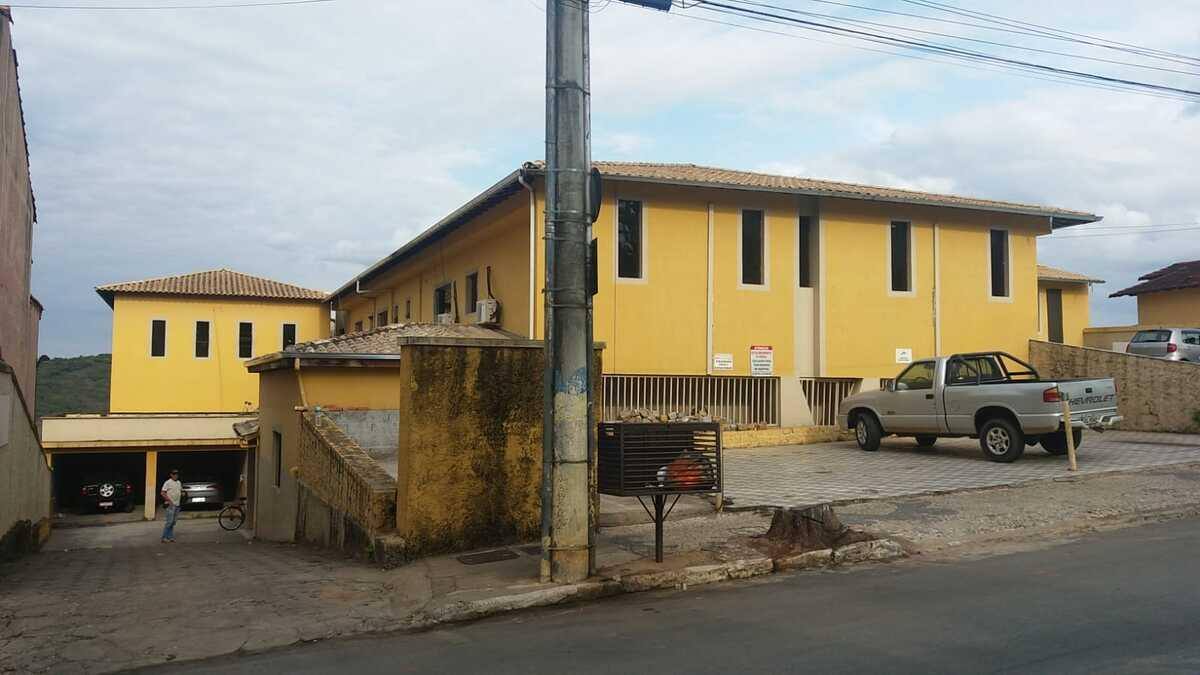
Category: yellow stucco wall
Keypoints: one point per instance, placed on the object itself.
(500, 239)
(180, 382)
(1075, 310)
(1170, 308)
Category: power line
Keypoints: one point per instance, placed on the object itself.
(1123, 234)
(936, 48)
(126, 8)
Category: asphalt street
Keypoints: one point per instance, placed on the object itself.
(1115, 602)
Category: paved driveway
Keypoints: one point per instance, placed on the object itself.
(809, 474)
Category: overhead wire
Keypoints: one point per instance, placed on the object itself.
(126, 8)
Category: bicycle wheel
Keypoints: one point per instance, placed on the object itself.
(231, 517)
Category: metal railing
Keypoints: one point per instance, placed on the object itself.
(824, 394)
(729, 399)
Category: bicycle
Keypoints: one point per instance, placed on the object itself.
(232, 516)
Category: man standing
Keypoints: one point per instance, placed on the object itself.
(172, 494)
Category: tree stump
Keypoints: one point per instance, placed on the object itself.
(811, 528)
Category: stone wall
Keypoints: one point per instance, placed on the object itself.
(345, 498)
(24, 474)
(1152, 394)
(470, 454)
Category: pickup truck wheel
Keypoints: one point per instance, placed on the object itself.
(1001, 440)
(926, 441)
(867, 432)
(1056, 443)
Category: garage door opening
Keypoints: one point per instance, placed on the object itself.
(223, 468)
(72, 471)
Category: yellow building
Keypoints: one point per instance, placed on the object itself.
(179, 344)
(179, 384)
(1168, 297)
(720, 276)
(1063, 309)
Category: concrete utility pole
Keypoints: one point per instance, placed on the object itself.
(566, 489)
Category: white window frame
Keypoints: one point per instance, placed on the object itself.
(912, 259)
(295, 329)
(766, 249)
(166, 337)
(237, 341)
(616, 241)
(1008, 283)
(210, 339)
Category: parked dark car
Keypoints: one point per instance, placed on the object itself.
(106, 492)
(202, 492)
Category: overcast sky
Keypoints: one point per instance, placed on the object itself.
(305, 142)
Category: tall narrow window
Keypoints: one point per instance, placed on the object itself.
(804, 269)
(441, 299)
(202, 339)
(357, 326)
(277, 443)
(158, 338)
(395, 313)
(407, 309)
(245, 340)
(999, 263)
(752, 247)
(901, 256)
(629, 239)
(289, 335)
(381, 319)
(472, 291)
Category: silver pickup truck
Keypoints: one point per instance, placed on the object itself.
(992, 396)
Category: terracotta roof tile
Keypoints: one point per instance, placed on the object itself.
(1169, 278)
(385, 340)
(220, 283)
(1048, 273)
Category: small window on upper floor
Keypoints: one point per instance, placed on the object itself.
(998, 263)
(202, 328)
(472, 292)
(900, 258)
(158, 338)
(395, 313)
(358, 326)
(441, 300)
(381, 319)
(245, 340)
(289, 335)
(753, 245)
(408, 309)
(629, 239)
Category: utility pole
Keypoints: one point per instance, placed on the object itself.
(566, 472)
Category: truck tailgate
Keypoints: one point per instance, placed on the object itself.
(1090, 399)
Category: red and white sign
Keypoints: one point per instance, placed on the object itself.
(762, 360)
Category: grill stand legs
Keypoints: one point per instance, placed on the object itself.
(659, 517)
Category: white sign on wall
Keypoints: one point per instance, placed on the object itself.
(762, 360)
(904, 355)
(722, 361)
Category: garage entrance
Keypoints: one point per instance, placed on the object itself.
(221, 467)
(73, 470)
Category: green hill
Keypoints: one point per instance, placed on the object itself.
(78, 384)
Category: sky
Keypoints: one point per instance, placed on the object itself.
(304, 142)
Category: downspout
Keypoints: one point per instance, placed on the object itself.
(708, 312)
(937, 292)
(300, 382)
(532, 252)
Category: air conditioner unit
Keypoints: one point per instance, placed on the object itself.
(444, 318)
(488, 312)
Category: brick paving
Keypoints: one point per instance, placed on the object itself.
(832, 472)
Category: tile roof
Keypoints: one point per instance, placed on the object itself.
(221, 283)
(695, 174)
(1169, 278)
(386, 340)
(1048, 273)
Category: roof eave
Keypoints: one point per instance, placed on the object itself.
(278, 360)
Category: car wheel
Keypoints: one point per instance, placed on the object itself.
(1056, 443)
(926, 441)
(867, 432)
(1001, 440)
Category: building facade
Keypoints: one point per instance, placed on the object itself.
(1168, 297)
(1063, 305)
(709, 272)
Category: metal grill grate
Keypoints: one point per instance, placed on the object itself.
(648, 459)
(825, 394)
(731, 399)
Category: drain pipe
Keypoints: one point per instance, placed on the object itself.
(524, 181)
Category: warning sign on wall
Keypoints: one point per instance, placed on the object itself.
(762, 360)
(722, 361)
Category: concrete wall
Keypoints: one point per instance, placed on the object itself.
(18, 314)
(24, 474)
(1152, 394)
(377, 432)
(470, 456)
(1180, 307)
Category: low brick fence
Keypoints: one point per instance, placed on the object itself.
(1153, 394)
(762, 438)
(346, 498)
